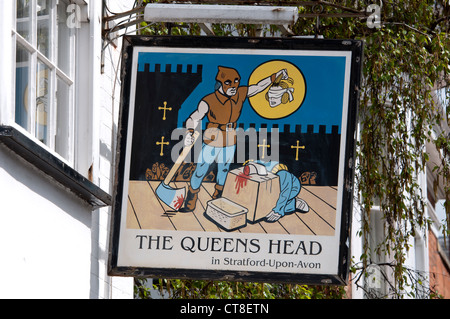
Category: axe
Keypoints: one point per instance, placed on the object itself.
(174, 197)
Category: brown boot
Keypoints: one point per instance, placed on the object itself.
(191, 200)
(218, 191)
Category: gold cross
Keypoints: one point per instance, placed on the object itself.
(264, 146)
(162, 143)
(165, 108)
(297, 148)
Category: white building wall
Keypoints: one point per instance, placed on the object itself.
(52, 244)
(44, 235)
(106, 96)
(416, 259)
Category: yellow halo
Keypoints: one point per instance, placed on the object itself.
(259, 102)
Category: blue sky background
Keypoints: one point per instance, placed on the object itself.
(324, 80)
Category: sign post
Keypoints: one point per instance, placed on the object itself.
(236, 159)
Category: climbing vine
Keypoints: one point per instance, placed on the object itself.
(406, 61)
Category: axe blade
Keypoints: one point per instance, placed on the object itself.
(172, 197)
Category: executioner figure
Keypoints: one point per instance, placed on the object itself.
(222, 108)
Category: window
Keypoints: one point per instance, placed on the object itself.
(44, 73)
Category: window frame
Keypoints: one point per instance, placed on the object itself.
(51, 63)
(23, 143)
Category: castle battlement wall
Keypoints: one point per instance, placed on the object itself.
(311, 154)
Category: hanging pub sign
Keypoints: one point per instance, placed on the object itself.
(236, 159)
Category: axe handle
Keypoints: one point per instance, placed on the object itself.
(180, 160)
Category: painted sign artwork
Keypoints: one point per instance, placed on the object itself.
(233, 160)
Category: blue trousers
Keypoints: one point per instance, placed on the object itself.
(289, 189)
(209, 154)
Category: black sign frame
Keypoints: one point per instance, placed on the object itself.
(129, 46)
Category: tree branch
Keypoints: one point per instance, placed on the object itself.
(435, 24)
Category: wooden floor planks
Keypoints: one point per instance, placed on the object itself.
(146, 211)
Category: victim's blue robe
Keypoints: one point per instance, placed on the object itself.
(289, 189)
